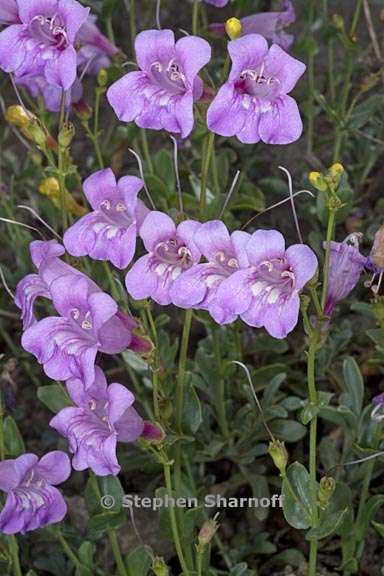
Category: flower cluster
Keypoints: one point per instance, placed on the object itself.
(47, 42)
(254, 104)
(252, 276)
(88, 322)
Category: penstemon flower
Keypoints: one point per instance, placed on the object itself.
(161, 94)
(32, 499)
(171, 251)
(271, 25)
(267, 292)
(254, 103)
(96, 50)
(45, 257)
(103, 416)
(225, 254)
(109, 232)
(345, 267)
(43, 43)
(89, 322)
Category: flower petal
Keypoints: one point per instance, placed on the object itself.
(140, 281)
(154, 46)
(284, 67)
(281, 124)
(100, 186)
(303, 262)
(246, 52)
(156, 228)
(54, 467)
(265, 245)
(126, 96)
(192, 54)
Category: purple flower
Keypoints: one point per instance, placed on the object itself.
(32, 499)
(96, 49)
(267, 292)
(269, 24)
(377, 412)
(43, 43)
(345, 267)
(217, 3)
(45, 257)
(52, 94)
(89, 322)
(171, 251)
(109, 232)
(161, 94)
(225, 254)
(9, 13)
(254, 103)
(103, 416)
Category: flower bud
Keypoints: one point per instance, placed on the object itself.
(233, 28)
(338, 22)
(153, 432)
(36, 132)
(49, 187)
(159, 567)
(102, 78)
(17, 116)
(66, 135)
(279, 455)
(82, 110)
(334, 174)
(207, 531)
(326, 489)
(317, 180)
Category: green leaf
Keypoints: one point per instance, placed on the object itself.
(370, 509)
(106, 521)
(308, 413)
(111, 486)
(288, 430)
(192, 414)
(139, 561)
(297, 497)
(54, 396)
(13, 440)
(365, 111)
(329, 525)
(354, 383)
(379, 528)
(377, 335)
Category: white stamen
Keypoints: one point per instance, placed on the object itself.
(120, 207)
(75, 313)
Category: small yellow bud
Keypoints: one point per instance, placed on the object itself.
(233, 28)
(102, 78)
(279, 455)
(36, 132)
(17, 116)
(336, 169)
(326, 489)
(66, 134)
(159, 567)
(317, 181)
(50, 187)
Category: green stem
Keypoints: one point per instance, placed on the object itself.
(312, 392)
(221, 412)
(347, 84)
(147, 155)
(195, 17)
(172, 515)
(132, 23)
(204, 175)
(199, 559)
(2, 448)
(14, 548)
(68, 550)
(330, 228)
(155, 370)
(111, 534)
(95, 139)
(182, 368)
